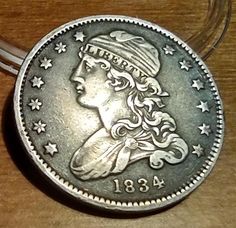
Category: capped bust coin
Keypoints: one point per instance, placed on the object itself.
(119, 113)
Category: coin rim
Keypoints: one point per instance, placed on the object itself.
(101, 202)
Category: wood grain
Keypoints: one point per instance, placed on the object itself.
(27, 200)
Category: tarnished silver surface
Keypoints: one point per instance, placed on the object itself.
(119, 113)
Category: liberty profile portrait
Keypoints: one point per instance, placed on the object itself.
(117, 76)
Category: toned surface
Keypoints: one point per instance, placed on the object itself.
(27, 200)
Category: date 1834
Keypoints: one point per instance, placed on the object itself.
(140, 184)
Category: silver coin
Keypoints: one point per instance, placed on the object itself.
(119, 113)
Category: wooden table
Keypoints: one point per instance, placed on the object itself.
(26, 200)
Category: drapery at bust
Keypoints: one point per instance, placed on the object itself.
(118, 76)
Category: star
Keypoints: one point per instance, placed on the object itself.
(46, 63)
(39, 127)
(79, 36)
(169, 50)
(205, 129)
(60, 48)
(203, 106)
(37, 82)
(197, 84)
(198, 150)
(35, 104)
(51, 149)
(185, 65)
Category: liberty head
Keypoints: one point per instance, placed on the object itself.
(118, 76)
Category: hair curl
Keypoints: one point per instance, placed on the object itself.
(156, 129)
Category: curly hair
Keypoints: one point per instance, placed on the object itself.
(154, 129)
